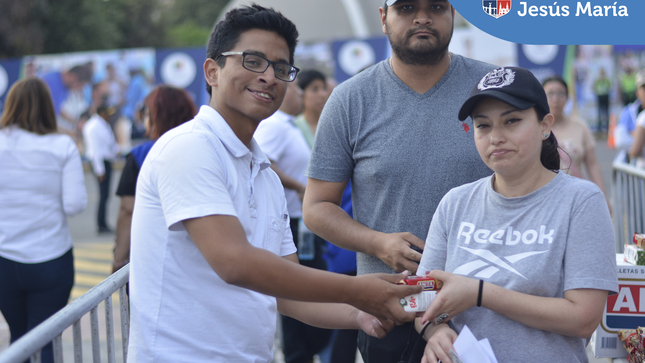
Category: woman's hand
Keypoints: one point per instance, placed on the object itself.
(458, 293)
(439, 344)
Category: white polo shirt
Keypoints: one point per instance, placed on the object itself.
(100, 143)
(181, 310)
(284, 144)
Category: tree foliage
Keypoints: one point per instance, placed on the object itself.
(55, 26)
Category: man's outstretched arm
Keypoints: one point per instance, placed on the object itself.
(332, 315)
(222, 241)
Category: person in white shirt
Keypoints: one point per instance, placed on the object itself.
(212, 257)
(41, 183)
(286, 147)
(101, 150)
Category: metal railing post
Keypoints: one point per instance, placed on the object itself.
(628, 199)
(29, 345)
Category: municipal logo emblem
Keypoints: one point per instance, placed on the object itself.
(497, 78)
(496, 8)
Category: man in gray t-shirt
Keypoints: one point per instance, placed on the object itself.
(393, 130)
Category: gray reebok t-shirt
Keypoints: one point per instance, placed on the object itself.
(402, 150)
(557, 238)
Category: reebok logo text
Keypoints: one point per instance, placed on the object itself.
(508, 237)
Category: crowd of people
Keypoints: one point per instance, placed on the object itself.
(289, 199)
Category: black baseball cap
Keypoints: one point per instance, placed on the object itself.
(390, 2)
(513, 85)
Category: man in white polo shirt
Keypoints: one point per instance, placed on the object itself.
(211, 223)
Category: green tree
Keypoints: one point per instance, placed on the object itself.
(21, 30)
(56, 26)
(190, 22)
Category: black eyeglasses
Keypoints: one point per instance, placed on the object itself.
(258, 64)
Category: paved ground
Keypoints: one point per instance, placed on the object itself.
(93, 255)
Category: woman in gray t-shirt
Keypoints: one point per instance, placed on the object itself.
(526, 255)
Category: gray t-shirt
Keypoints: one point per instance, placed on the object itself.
(557, 238)
(402, 150)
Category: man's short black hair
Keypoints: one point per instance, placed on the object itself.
(306, 77)
(227, 32)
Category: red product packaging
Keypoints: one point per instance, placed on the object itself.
(428, 283)
(639, 240)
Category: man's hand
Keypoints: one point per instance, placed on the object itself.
(100, 178)
(396, 251)
(378, 295)
(372, 326)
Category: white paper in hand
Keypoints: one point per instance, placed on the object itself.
(469, 350)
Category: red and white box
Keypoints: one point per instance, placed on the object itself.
(625, 310)
(428, 283)
(418, 302)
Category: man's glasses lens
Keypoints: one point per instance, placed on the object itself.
(256, 63)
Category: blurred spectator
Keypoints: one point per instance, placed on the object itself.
(166, 107)
(62, 85)
(314, 87)
(628, 86)
(115, 87)
(627, 119)
(601, 88)
(637, 150)
(101, 149)
(138, 89)
(577, 146)
(42, 183)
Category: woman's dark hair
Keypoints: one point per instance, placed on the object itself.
(227, 32)
(549, 156)
(29, 106)
(559, 80)
(168, 107)
(306, 77)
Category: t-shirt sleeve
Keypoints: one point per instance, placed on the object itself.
(331, 156)
(435, 251)
(191, 179)
(128, 182)
(590, 257)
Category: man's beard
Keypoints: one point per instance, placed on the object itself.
(426, 54)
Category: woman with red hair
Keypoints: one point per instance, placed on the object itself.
(165, 108)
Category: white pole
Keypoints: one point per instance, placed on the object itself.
(356, 18)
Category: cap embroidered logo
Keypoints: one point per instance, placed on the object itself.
(497, 78)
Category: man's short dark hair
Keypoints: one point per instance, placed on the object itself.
(227, 32)
(306, 77)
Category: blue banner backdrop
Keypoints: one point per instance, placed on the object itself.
(9, 74)
(557, 22)
(354, 55)
(183, 68)
(543, 60)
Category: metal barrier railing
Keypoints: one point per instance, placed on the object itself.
(51, 330)
(628, 198)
